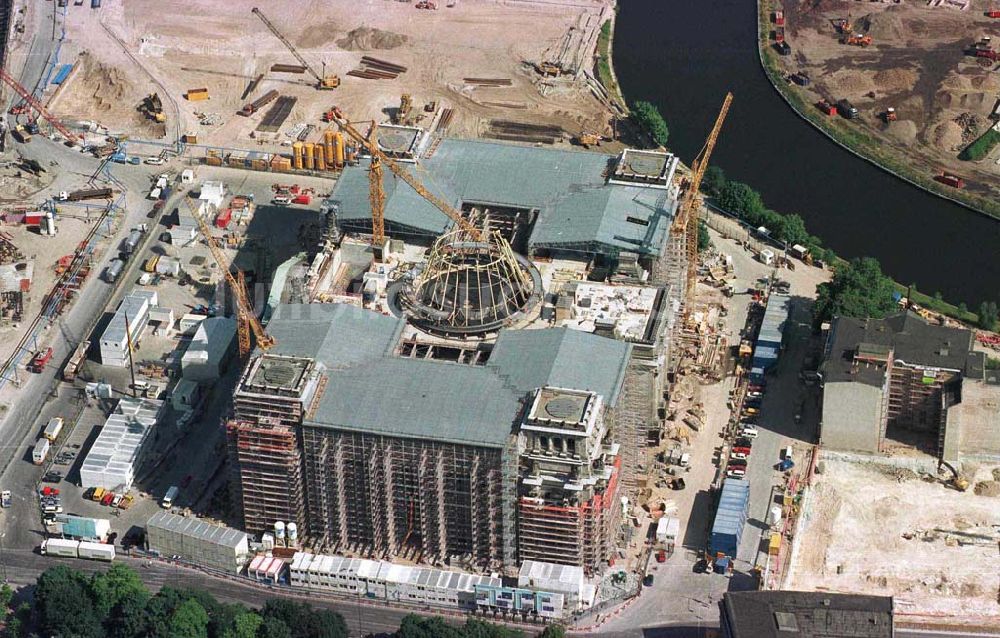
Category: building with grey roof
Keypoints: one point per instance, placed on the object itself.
(777, 614)
(115, 455)
(569, 201)
(901, 380)
(197, 541)
(342, 429)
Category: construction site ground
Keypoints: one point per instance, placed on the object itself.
(677, 591)
(877, 529)
(916, 64)
(220, 45)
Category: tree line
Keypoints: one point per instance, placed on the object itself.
(116, 604)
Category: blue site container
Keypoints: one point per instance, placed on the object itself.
(730, 517)
(95, 4)
(61, 74)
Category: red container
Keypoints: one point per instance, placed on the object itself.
(33, 219)
(779, 18)
(302, 199)
(779, 34)
(993, 14)
(951, 180)
(223, 218)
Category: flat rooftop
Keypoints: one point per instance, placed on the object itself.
(648, 168)
(578, 209)
(624, 311)
(398, 140)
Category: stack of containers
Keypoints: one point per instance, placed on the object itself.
(730, 518)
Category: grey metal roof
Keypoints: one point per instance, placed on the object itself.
(568, 188)
(774, 614)
(563, 358)
(421, 399)
(368, 389)
(337, 335)
(197, 529)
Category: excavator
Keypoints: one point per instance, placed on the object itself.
(957, 481)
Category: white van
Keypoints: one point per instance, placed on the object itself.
(168, 498)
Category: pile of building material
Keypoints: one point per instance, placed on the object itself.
(375, 69)
(488, 82)
(524, 132)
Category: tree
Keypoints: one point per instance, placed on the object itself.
(109, 588)
(553, 631)
(274, 628)
(475, 628)
(414, 626)
(245, 625)
(189, 620)
(793, 230)
(858, 289)
(988, 315)
(704, 239)
(713, 181)
(740, 199)
(64, 605)
(127, 618)
(6, 596)
(648, 117)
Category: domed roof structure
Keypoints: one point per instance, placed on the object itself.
(471, 285)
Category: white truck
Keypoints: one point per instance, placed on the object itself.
(169, 497)
(77, 549)
(41, 450)
(5, 499)
(53, 428)
(668, 528)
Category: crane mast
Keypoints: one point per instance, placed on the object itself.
(37, 106)
(376, 194)
(322, 81)
(404, 175)
(246, 318)
(687, 218)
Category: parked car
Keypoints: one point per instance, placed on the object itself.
(661, 556)
(116, 501)
(108, 497)
(749, 431)
(154, 161)
(735, 472)
(741, 449)
(743, 441)
(52, 477)
(740, 456)
(648, 580)
(49, 491)
(737, 462)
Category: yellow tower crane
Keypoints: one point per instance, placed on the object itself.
(246, 318)
(687, 217)
(376, 194)
(379, 158)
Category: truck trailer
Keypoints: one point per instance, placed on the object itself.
(40, 451)
(77, 549)
(53, 428)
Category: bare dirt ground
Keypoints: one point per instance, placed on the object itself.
(877, 530)
(916, 64)
(220, 45)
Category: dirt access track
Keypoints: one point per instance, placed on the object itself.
(915, 63)
(220, 45)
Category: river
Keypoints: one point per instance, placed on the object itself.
(683, 55)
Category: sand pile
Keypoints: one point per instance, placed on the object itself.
(852, 82)
(105, 85)
(369, 39)
(891, 80)
(887, 25)
(904, 131)
(987, 488)
(947, 136)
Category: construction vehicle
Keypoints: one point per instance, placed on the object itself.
(844, 25)
(889, 115)
(152, 106)
(405, 106)
(246, 317)
(21, 134)
(857, 39)
(323, 82)
(426, 4)
(587, 140)
(549, 69)
(956, 480)
(34, 104)
(40, 360)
